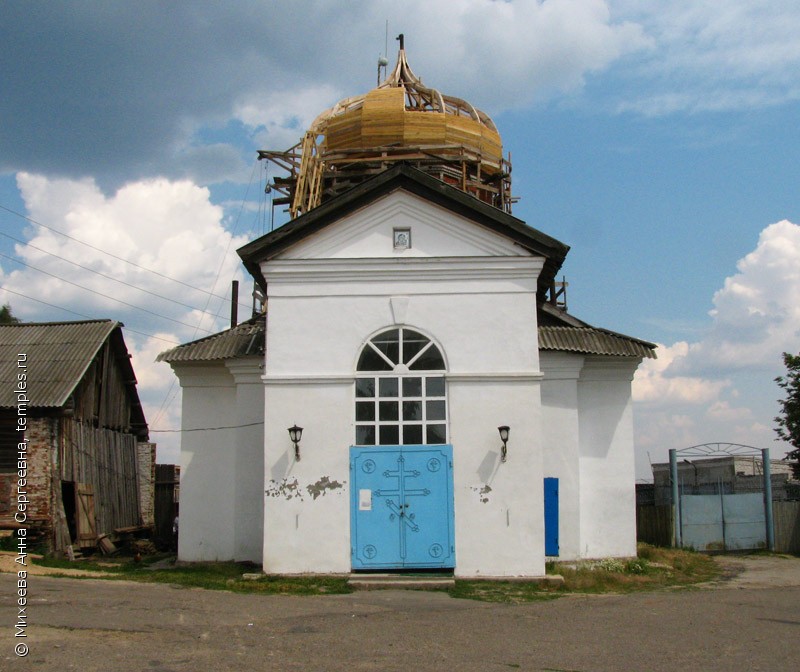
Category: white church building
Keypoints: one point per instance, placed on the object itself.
(454, 415)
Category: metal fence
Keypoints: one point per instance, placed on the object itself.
(654, 525)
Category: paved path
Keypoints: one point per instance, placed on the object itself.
(751, 622)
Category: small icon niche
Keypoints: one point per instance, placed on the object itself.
(402, 239)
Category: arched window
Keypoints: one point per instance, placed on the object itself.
(400, 391)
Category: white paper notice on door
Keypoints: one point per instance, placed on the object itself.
(365, 500)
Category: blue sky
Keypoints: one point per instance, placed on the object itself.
(660, 142)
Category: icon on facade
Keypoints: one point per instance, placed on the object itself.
(402, 239)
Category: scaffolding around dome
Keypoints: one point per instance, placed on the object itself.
(399, 121)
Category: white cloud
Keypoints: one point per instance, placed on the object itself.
(283, 116)
(168, 227)
(756, 314)
(653, 383)
(118, 107)
(721, 388)
(509, 54)
(738, 54)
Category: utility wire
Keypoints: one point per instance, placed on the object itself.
(88, 317)
(201, 429)
(169, 397)
(110, 254)
(108, 277)
(105, 296)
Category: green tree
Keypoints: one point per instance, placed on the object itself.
(788, 428)
(6, 316)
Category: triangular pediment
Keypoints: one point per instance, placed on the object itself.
(430, 231)
(443, 221)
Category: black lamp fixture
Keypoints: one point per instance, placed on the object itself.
(503, 429)
(295, 433)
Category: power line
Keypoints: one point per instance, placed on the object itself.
(111, 254)
(201, 429)
(108, 277)
(87, 317)
(169, 397)
(105, 296)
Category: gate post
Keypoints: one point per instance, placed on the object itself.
(768, 498)
(676, 502)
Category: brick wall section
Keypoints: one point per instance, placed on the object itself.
(146, 464)
(41, 436)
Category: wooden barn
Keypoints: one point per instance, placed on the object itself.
(73, 437)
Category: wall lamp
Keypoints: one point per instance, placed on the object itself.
(503, 429)
(295, 433)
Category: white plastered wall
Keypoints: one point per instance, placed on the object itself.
(560, 438)
(208, 474)
(249, 442)
(471, 291)
(607, 472)
(222, 470)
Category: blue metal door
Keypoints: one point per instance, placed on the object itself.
(401, 507)
(551, 516)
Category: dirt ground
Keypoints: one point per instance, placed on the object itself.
(759, 571)
(745, 621)
(8, 566)
(740, 571)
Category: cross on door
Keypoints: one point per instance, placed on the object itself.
(406, 521)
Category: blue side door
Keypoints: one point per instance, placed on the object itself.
(401, 507)
(551, 516)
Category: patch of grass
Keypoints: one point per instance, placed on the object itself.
(653, 569)
(501, 591)
(208, 575)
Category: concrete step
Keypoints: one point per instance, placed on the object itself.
(401, 581)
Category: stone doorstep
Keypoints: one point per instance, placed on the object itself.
(546, 580)
(418, 582)
(399, 582)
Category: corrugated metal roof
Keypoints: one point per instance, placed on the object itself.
(57, 355)
(247, 339)
(593, 341)
(244, 339)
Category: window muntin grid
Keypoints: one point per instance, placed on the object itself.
(405, 409)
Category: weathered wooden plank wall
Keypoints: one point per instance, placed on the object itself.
(106, 460)
(654, 525)
(786, 517)
(101, 397)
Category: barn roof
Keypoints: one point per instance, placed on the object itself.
(56, 357)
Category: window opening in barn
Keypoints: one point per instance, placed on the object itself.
(9, 440)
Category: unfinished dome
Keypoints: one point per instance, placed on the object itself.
(400, 120)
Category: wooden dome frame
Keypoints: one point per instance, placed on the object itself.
(401, 120)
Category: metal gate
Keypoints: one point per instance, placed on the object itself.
(401, 507)
(723, 522)
(721, 519)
